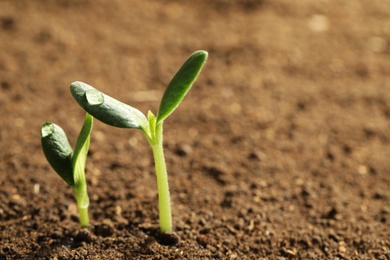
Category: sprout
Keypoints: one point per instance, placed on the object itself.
(68, 164)
(115, 113)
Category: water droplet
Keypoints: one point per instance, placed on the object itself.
(47, 129)
(94, 97)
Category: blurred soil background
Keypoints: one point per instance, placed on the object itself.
(280, 150)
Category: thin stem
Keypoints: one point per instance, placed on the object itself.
(82, 199)
(164, 202)
(84, 219)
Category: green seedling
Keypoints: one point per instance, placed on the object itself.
(115, 113)
(67, 163)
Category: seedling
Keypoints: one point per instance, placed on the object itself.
(67, 163)
(115, 113)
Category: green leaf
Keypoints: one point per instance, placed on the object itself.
(57, 150)
(107, 109)
(81, 151)
(180, 84)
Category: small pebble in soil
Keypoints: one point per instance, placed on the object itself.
(203, 240)
(183, 150)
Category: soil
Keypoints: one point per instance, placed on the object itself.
(280, 150)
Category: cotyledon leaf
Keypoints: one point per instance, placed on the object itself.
(57, 150)
(181, 84)
(107, 109)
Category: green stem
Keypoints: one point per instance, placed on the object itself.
(82, 199)
(164, 202)
(84, 219)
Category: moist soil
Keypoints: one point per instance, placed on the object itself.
(279, 151)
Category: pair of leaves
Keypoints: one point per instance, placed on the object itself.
(68, 164)
(116, 113)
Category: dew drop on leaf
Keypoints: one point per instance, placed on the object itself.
(47, 129)
(94, 97)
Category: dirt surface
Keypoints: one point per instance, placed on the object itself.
(280, 150)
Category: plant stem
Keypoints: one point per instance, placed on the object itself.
(84, 219)
(164, 202)
(81, 195)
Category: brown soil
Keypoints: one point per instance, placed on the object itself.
(280, 150)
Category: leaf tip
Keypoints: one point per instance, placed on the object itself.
(47, 129)
(201, 53)
(181, 83)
